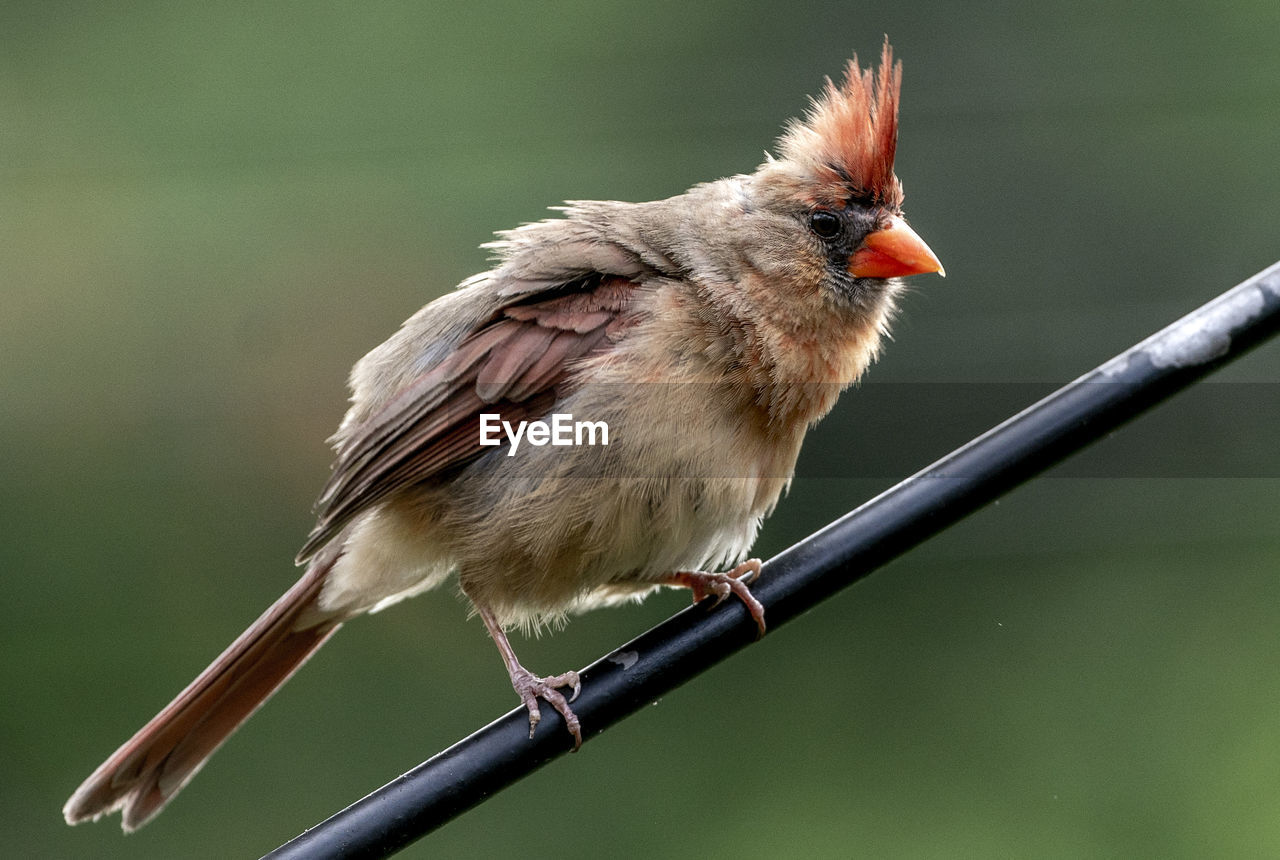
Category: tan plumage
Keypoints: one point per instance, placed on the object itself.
(708, 330)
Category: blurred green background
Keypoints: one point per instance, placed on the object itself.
(209, 210)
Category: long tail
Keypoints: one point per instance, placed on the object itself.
(153, 766)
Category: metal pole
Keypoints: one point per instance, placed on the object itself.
(847, 550)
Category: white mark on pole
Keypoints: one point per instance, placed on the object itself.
(1200, 336)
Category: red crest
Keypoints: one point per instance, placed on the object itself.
(848, 138)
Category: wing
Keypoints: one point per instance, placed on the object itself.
(515, 363)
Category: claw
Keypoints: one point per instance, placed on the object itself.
(747, 572)
(529, 687)
(703, 584)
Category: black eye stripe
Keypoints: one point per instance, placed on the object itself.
(825, 224)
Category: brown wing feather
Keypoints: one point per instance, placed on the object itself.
(504, 366)
(513, 364)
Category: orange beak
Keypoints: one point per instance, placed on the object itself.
(893, 251)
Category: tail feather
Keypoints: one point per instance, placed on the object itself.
(141, 777)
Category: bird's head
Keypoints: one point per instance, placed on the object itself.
(833, 195)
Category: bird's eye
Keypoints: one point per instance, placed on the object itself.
(824, 223)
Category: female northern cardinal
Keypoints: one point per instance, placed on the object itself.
(707, 332)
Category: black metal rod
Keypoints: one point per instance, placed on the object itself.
(847, 550)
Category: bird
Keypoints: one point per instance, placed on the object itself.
(696, 337)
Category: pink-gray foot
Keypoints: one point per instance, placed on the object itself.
(530, 687)
(704, 584)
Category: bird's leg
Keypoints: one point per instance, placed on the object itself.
(529, 686)
(704, 584)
